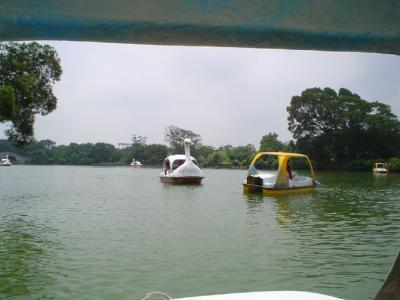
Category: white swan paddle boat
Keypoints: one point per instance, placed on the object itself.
(181, 168)
(281, 180)
(5, 162)
(136, 163)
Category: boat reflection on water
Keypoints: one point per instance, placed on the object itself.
(380, 175)
(287, 207)
(292, 205)
(181, 188)
(181, 198)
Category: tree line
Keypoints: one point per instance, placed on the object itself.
(337, 130)
(340, 130)
(329, 149)
(227, 156)
(47, 152)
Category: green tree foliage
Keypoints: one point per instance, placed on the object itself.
(241, 155)
(138, 139)
(175, 136)
(149, 155)
(27, 74)
(228, 157)
(219, 158)
(102, 153)
(47, 152)
(6, 146)
(360, 165)
(394, 164)
(201, 153)
(336, 128)
(8, 107)
(155, 154)
(270, 143)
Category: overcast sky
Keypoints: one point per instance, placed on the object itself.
(108, 92)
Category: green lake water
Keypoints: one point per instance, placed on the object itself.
(117, 233)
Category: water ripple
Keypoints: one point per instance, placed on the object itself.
(117, 233)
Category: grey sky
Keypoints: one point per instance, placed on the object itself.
(108, 92)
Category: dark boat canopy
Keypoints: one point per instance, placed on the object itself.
(357, 25)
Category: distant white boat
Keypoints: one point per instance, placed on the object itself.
(181, 168)
(5, 162)
(136, 163)
(380, 168)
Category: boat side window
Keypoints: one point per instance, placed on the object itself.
(166, 165)
(177, 163)
(301, 166)
(267, 163)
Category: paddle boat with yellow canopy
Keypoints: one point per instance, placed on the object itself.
(271, 173)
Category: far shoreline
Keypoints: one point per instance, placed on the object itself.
(338, 170)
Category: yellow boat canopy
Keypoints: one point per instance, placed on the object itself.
(283, 158)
